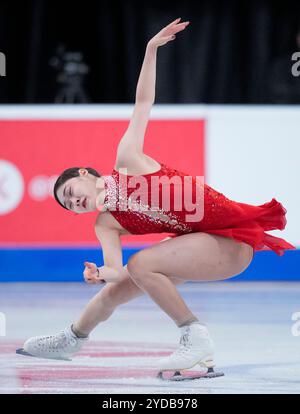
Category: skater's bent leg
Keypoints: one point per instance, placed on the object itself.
(103, 304)
(196, 256)
(162, 291)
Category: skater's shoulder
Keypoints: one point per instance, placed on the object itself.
(106, 221)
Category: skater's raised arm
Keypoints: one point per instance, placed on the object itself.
(132, 141)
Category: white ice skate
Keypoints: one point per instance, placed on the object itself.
(60, 346)
(196, 348)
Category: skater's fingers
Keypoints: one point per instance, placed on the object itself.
(90, 266)
(88, 278)
(87, 265)
(180, 27)
(174, 22)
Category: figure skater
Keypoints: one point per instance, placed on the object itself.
(217, 247)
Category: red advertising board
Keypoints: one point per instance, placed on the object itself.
(34, 152)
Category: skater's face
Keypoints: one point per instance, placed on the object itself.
(82, 194)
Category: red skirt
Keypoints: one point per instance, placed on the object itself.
(252, 230)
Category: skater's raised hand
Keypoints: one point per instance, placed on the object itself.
(168, 33)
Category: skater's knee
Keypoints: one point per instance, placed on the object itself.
(140, 265)
(116, 294)
(137, 266)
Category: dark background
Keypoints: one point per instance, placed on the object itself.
(232, 52)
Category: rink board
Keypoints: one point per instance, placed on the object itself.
(66, 264)
(248, 153)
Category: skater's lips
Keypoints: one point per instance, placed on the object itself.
(84, 203)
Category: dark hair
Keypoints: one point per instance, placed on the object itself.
(66, 175)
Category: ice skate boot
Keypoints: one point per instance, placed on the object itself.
(60, 346)
(196, 348)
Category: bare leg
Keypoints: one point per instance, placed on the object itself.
(105, 302)
(194, 256)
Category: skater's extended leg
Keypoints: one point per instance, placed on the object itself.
(70, 340)
(103, 304)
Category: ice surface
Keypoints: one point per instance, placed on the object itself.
(249, 322)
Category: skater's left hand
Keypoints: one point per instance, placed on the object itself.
(168, 33)
(109, 274)
(90, 273)
(106, 274)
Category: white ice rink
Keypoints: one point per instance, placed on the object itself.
(251, 324)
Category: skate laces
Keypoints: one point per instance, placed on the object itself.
(185, 344)
(56, 341)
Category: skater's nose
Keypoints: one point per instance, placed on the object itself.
(75, 201)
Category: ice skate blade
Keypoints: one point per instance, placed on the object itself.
(177, 376)
(21, 351)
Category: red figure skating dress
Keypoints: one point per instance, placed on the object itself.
(221, 216)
